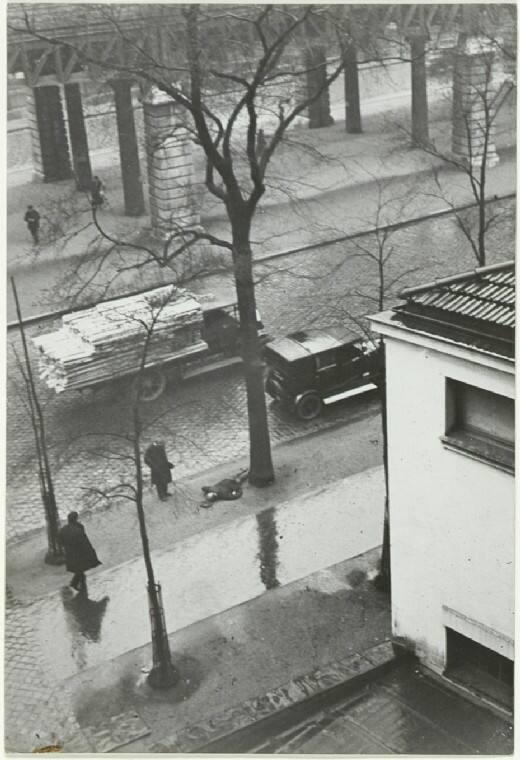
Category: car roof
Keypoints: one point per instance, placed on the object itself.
(304, 343)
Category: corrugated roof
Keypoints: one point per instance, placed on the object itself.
(486, 295)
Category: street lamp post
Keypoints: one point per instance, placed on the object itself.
(54, 555)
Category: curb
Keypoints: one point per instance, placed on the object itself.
(248, 724)
(384, 228)
(277, 254)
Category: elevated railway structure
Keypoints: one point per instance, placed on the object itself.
(54, 75)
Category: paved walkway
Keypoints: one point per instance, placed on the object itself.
(243, 621)
(310, 165)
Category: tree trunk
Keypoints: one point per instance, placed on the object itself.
(163, 674)
(482, 198)
(482, 232)
(383, 580)
(261, 471)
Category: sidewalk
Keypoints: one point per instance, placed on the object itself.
(310, 165)
(244, 665)
(307, 463)
(231, 641)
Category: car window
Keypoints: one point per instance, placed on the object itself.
(348, 353)
(326, 359)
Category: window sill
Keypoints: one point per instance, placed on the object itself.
(481, 450)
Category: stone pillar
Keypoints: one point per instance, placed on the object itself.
(128, 150)
(472, 91)
(78, 136)
(170, 164)
(319, 109)
(509, 49)
(420, 132)
(50, 124)
(34, 132)
(351, 83)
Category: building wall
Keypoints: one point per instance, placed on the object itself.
(451, 517)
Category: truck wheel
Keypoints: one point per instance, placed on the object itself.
(309, 406)
(153, 384)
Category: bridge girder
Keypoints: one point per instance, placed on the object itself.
(38, 60)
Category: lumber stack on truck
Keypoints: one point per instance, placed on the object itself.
(109, 340)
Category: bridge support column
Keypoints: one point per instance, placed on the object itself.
(78, 137)
(319, 109)
(473, 136)
(128, 150)
(509, 49)
(420, 131)
(36, 148)
(49, 133)
(351, 83)
(170, 165)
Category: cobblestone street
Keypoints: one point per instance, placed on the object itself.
(204, 423)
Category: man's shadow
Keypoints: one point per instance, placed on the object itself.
(84, 618)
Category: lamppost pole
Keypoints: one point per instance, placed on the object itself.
(54, 555)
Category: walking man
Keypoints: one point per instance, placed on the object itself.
(80, 555)
(32, 218)
(156, 459)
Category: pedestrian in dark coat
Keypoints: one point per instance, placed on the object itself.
(96, 192)
(80, 555)
(156, 459)
(32, 218)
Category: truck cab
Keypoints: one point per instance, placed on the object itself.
(221, 329)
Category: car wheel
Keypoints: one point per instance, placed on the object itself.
(153, 384)
(309, 406)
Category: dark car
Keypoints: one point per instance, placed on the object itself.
(311, 368)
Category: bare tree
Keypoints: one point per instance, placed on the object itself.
(163, 673)
(249, 58)
(477, 102)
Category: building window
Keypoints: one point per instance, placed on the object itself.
(480, 423)
(479, 668)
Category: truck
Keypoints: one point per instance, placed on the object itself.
(194, 333)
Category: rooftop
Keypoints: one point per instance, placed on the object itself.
(475, 308)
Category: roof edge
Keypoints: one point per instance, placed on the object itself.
(457, 277)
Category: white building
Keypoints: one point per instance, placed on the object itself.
(450, 412)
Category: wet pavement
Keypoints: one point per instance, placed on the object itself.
(403, 712)
(204, 423)
(209, 572)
